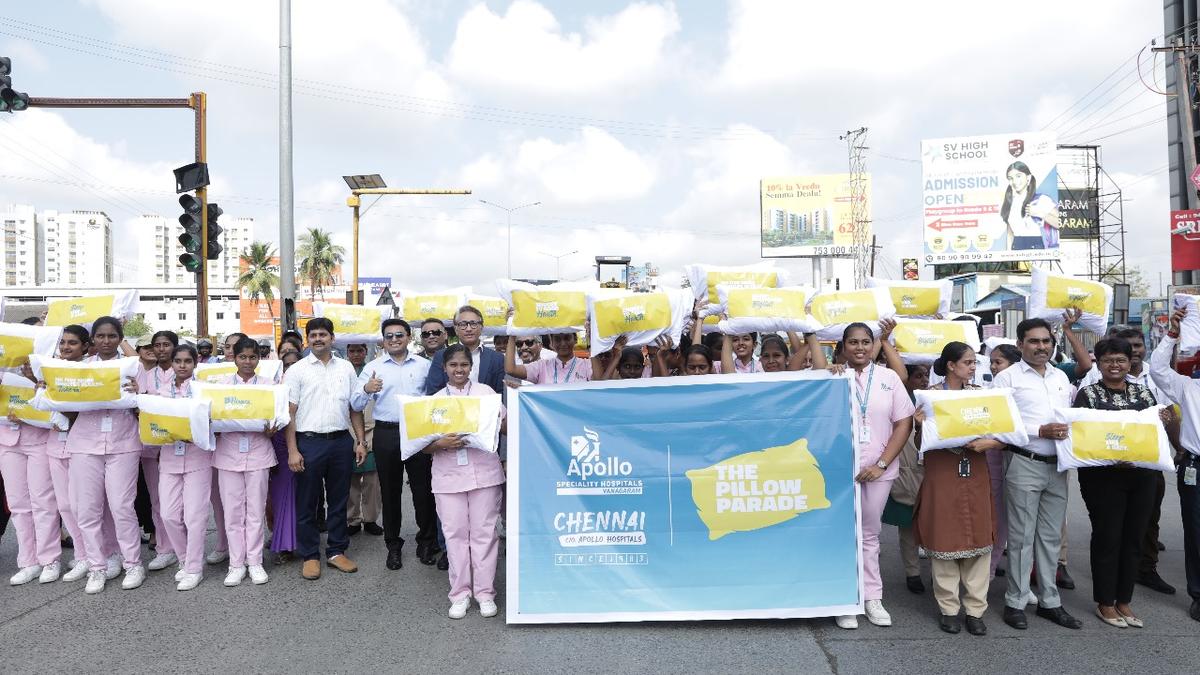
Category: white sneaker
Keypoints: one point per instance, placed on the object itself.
(487, 608)
(216, 557)
(95, 582)
(848, 622)
(179, 572)
(876, 614)
(1031, 599)
(189, 581)
(235, 576)
(134, 576)
(162, 561)
(25, 575)
(79, 570)
(113, 569)
(459, 609)
(500, 530)
(50, 573)
(258, 575)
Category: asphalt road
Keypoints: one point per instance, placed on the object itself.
(383, 621)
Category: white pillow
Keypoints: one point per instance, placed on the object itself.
(1189, 328)
(415, 307)
(268, 371)
(921, 340)
(16, 396)
(1053, 294)
(78, 386)
(834, 310)
(166, 421)
(955, 418)
(917, 298)
(704, 280)
(640, 317)
(425, 419)
(353, 324)
(545, 310)
(18, 341)
(245, 407)
(990, 343)
(766, 310)
(1105, 437)
(85, 310)
(495, 313)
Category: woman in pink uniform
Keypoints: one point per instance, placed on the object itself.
(154, 380)
(105, 450)
(30, 494)
(882, 422)
(184, 482)
(467, 484)
(243, 461)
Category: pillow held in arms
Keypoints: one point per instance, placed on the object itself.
(1189, 328)
(917, 298)
(269, 371)
(244, 407)
(353, 324)
(1105, 437)
(766, 310)
(416, 307)
(16, 395)
(921, 340)
(955, 418)
(425, 419)
(166, 421)
(78, 386)
(545, 310)
(1053, 294)
(86, 309)
(18, 341)
(704, 280)
(495, 313)
(640, 317)
(834, 310)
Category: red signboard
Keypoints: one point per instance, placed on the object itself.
(1195, 177)
(1185, 240)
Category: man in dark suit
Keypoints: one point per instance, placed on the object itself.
(487, 365)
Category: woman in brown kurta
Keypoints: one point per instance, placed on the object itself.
(953, 520)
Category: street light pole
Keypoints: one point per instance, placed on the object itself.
(508, 219)
(557, 262)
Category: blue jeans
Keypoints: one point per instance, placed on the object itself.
(1189, 507)
(328, 463)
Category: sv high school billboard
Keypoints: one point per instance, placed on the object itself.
(713, 497)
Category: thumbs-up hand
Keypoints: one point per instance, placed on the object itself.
(373, 385)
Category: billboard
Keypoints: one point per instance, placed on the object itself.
(1185, 240)
(911, 269)
(990, 198)
(1078, 213)
(809, 216)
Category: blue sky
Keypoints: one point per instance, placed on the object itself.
(643, 128)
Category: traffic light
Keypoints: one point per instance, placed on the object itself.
(214, 232)
(11, 100)
(190, 239)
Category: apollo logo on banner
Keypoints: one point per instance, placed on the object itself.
(591, 473)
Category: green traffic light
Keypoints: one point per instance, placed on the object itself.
(190, 262)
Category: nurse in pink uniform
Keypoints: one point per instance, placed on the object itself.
(30, 494)
(154, 380)
(882, 422)
(243, 461)
(105, 450)
(184, 482)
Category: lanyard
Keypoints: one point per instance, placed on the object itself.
(175, 389)
(864, 398)
(570, 369)
(466, 391)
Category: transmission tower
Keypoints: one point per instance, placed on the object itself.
(859, 215)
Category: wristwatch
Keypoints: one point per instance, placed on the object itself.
(882, 464)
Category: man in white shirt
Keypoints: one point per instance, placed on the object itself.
(1186, 392)
(1035, 492)
(399, 372)
(321, 450)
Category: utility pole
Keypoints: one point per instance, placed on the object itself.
(1186, 104)
(509, 211)
(874, 250)
(856, 150)
(558, 262)
(287, 232)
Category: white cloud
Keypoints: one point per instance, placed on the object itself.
(527, 50)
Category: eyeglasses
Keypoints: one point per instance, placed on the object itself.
(526, 343)
(468, 324)
(395, 336)
(432, 333)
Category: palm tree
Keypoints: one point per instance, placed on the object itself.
(319, 256)
(259, 280)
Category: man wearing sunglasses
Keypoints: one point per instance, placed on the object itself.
(399, 372)
(487, 365)
(433, 337)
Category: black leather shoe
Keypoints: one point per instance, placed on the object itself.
(975, 626)
(393, 558)
(1063, 579)
(1059, 616)
(1160, 546)
(1154, 582)
(373, 529)
(1194, 611)
(429, 556)
(950, 624)
(354, 529)
(915, 584)
(443, 564)
(422, 550)
(1015, 618)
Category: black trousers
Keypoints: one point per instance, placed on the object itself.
(391, 469)
(141, 503)
(328, 463)
(1149, 561)
(1119, 502)
(1189, 505)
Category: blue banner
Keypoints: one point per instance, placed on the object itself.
(680, 498)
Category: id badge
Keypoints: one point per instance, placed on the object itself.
(243, 444)
(14, 425)
(461, 456)
(106, 425)
(62, 436)
(864, 433)
(1189, 475)
(180, 446)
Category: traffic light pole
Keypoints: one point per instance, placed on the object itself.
(196, 102)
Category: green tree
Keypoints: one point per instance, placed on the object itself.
(259, 280)
(1138, 286)
(319, 256)
(138, 326)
